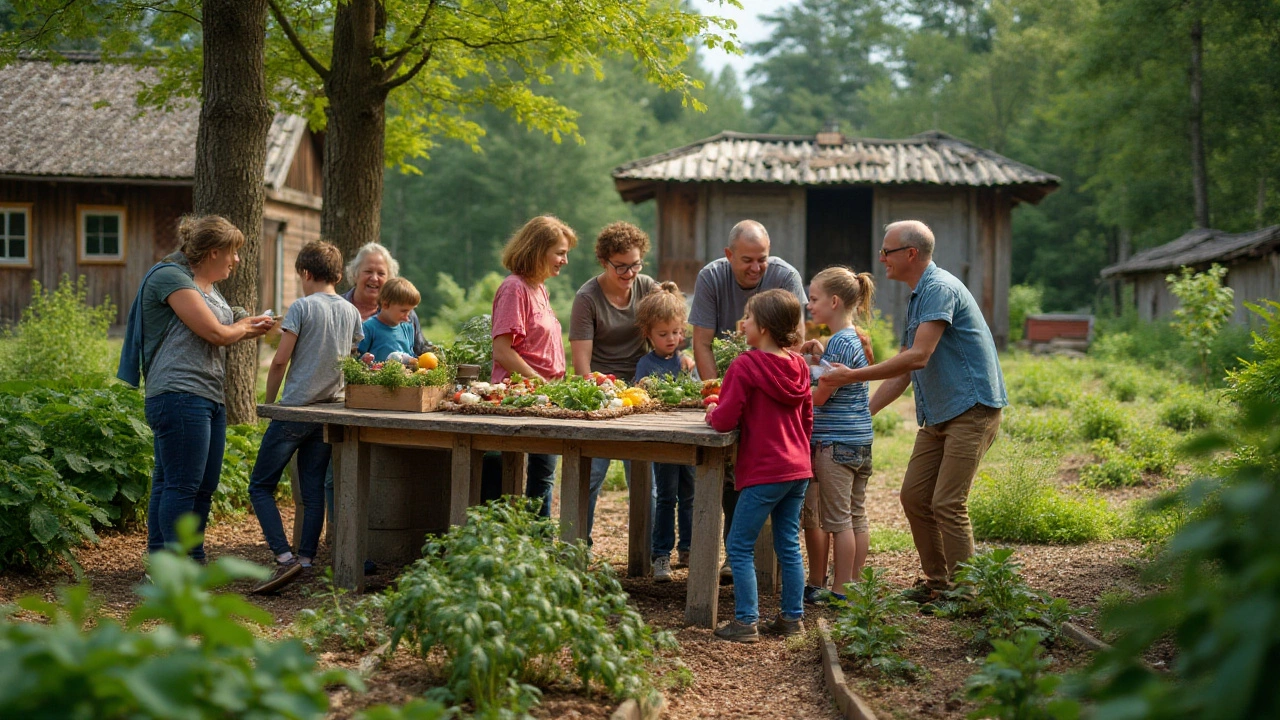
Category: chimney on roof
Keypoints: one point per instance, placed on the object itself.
(830, 135)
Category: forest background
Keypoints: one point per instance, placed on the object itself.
(1098, 92)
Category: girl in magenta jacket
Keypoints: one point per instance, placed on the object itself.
(765, 396)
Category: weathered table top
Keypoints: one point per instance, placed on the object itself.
(685, 427)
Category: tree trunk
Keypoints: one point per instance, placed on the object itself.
(353, 147)
(231, 151)
(1199, 174)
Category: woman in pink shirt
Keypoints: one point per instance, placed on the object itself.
(527, 338)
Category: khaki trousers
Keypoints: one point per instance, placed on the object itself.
(935, 490)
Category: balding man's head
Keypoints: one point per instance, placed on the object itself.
(749, 231)
(748, 252)
(912, 233)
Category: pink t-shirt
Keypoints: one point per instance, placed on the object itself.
(524, 313)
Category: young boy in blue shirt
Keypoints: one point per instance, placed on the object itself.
(319, 329)
(390, 330)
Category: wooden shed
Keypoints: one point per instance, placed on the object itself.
(1252, 260)
(825, 198)
(93, 185)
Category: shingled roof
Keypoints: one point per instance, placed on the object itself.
(81, 119)
(932, 158)
(1199, 247)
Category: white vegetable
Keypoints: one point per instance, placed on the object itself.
(467, 398)
(615, 403)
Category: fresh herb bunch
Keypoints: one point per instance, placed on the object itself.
(867, 628)
(520, 401)
(473, 346)
(576, 393)
(673, 390)
(392, 374)
(727, 347)
(506, 600)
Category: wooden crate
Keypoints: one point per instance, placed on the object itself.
(407, 399)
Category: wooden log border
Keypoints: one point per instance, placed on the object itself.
(851, 705)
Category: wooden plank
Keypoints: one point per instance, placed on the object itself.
(351, 496)
(766, 560)
(515, 468)
(406, 438)
(621, 449)
(506, 443)
(464, 483)
(575, 493)
(704, 551)
(640, 524)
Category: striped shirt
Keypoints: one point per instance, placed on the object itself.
(846, 416)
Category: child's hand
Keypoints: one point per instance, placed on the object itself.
(711, 407)
(812, 347)
(686, 363)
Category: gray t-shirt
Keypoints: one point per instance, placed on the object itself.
(156, 313)
(718, 300)
(327, 327)
(184, 362)
(616, 342)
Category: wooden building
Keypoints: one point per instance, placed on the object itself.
(825, 199)
(93, 185)
(1252, 260)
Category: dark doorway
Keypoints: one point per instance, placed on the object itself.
(838, 229)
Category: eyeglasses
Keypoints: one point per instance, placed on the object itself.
(624, 269)
(887, 253)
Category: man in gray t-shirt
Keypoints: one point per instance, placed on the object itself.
(323, 322)
(725, 284)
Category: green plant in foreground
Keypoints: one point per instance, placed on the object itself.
(505, 600)
(990, 585)
(1259, 381)
(866, 627)
(418, 709)
(352, 623)
(185, 652)
(1014, 683)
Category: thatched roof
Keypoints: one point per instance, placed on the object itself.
(1199, 247)
(931, 158)
(80, 119)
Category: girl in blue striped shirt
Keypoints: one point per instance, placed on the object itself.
(836, 499)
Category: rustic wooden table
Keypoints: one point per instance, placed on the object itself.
(679, 437)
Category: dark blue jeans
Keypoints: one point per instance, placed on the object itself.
(540, 481)
(190, 435)
(280, 442)
(673, 488)
(781, 501)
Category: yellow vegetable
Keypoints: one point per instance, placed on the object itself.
(428, 360)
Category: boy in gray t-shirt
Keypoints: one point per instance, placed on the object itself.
(318, 331)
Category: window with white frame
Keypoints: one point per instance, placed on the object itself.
(101, 234)
(15, 235)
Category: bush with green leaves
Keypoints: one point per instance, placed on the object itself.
(1205, 304)
(1044, 383)
(42, 517)
(1187, 410)
(505, 599)
(867, 626)
(884, 342)
(60, 338)
(990, 587)
(243, 443)
(185, 652)
(1158, 345)
(886, 422)
(1024, 300)
(1014, 683)
(1259, 380)
(1114, 468)
(1219, 603)
(1045, 425)
(355, 624)
(1155, 448)
(1021, 503)
(1100, 417)
(1124, 383)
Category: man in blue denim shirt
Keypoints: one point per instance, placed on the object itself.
(949, 357)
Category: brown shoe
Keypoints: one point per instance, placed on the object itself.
(783, 627)
(735, 631)
(284, 574)
(682, 559)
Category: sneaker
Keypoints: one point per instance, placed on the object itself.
(284, 574)
(726, 574)
(735, 631)
(682, 559)
(920, 593)
(662, 570)
(814, 595)
(783, 626)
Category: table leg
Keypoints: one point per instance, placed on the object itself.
(351, 496)
(640, 525)
(766, 560)
(464, 485)
(703, 594)
(575, 494)
(515, 467)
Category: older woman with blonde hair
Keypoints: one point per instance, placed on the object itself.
(526, 333)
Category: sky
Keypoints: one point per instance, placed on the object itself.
(750, 29)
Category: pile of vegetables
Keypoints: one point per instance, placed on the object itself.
(572, 393)
(680, 389)
(423, 371)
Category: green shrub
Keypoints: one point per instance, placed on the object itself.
(1259, 381)
(42, 518)
(505, 600)
(1154, 448)
(1043, 383)
(886, 422)
(1023, 505)
(1024, 300)
(866, 628)
(1115, 467)
(1157, 345)
(1152, 522)
(243, 443)
(991, 587)
(60, 338)
(1205, 305)
(1014, 683)
(1124, 383)
(353, 623)
(1188, 410)
(884, 343)
(194, 659)
(1051, 426)
(1100, 418)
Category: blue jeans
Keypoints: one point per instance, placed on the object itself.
(600, 468)
(672, 485)
(190, 434)
(540, 481)
(281, 441)
(782, 501)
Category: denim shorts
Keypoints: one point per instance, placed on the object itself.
(836, 499)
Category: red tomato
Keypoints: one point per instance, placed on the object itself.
(710, 400)
(457, 397)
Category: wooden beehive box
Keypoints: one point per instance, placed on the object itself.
(406, 399)
(1047, 327)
